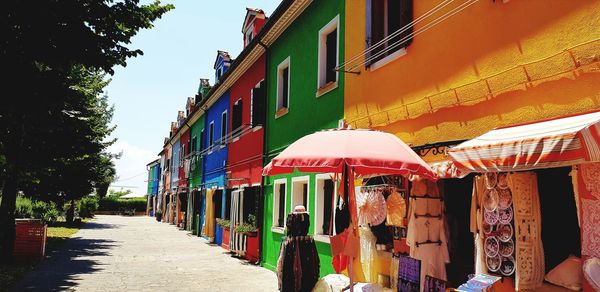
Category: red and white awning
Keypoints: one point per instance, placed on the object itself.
(556, 142)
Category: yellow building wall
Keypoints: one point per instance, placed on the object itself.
(492, 64)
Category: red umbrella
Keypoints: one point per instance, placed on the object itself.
(349, 152)
(366, 152)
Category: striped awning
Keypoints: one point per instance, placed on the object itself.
(549, 143)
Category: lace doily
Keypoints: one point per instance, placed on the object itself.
(590, 172)
(590, 242)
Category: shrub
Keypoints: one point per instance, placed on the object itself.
(24, 207)
(115, 204)
(47, 211)
(245, 228)
(87, 206)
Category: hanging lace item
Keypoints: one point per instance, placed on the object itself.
(590, 172)
(529, 249)
(590, 241)
(367, 251)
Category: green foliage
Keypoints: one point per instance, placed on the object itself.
(245, 228)
(24, 208)
(28, 208)
(224, 223)
(118, 194)
(112, 203)
(87, 206)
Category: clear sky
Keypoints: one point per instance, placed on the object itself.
(149, 91)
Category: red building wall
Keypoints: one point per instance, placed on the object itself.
(244, 160)
(184, 140)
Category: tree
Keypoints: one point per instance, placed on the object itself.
(53, 119)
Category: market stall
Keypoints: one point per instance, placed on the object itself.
(350, 153)
(534, 213)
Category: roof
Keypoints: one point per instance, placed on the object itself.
(257, 13)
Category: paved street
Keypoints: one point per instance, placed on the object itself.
(115, 253)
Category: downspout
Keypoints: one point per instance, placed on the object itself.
(261, 191)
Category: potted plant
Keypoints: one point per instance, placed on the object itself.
(249, 229)
(225, 225)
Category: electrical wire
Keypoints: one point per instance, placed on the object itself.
(421, 30)
(433, 23)
(397, 32)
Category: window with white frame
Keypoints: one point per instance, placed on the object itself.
(211, 136)
(325, 199)
(299, 192)
(328, 53)
(224, 128)
(283, 85)
(279, 198)
(389, 28)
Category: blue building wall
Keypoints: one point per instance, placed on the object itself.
(215, 160)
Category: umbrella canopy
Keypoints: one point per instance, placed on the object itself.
(367, 152)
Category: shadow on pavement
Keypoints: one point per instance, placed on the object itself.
(62, 267)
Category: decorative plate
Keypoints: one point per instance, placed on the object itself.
(505, 232)
(493, 263)
(507, 265)
(487, 228)
(504, 198)
(490, 180)
(491, 217)
(506, 215)
(490, 199)
(503, 180)
(506, 248)
(492, 246)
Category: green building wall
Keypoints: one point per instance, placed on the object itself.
(196, 172)
(307, 113)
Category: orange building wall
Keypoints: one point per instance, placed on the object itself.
(493, 64)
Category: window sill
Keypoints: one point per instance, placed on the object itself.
(235, 139)
(281, 112)
(321, 238)
(388, 59)
(256, 128)
(326, 88)
(277, 230)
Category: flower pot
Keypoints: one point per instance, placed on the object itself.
(226, 234)
(251, 234)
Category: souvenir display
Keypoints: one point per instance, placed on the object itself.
(503, 180)
(506, 248)
(488, 228)
(371, 207)
(505, 232)
(409, 274)
(507, 266)
(434, 284)
(491, 179)
(493, 263)
(490, 199)
(498, 218)
(506, 215)
(396, 209)
(504, 198)
(491, 246)
(491, 217)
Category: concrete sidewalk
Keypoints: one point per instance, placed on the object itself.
(116, 253)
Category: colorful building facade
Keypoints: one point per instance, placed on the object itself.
(460, 71)
(304, 95)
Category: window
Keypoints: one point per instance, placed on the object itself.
(236, 117)
(384, 18)
(279, 197)
(257, 106)
(328, 53)
(325, 196)
(224, 128)
(211, 136)
(194, 145)
(283, 87)
(202, 139)
(300, 192)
